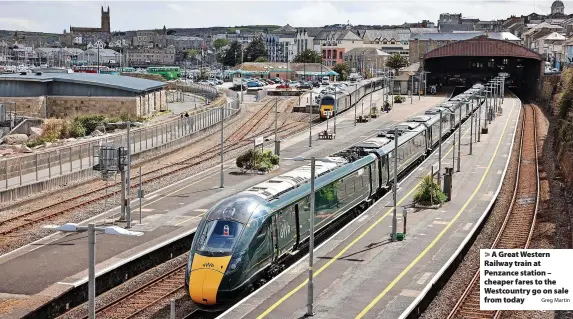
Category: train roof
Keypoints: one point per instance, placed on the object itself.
(374, 143)
(303, 190)
(408, 125)
(435, 110)
(420, 118)
(281, 184)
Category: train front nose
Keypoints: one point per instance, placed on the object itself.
(205, 278)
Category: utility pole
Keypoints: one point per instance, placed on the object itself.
(310, 299)
(276, 133)
(395, 188)
(310, 122)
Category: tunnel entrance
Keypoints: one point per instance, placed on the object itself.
(476, 60)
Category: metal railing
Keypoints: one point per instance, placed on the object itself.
(42, 165)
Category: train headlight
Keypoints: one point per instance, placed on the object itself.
(234, 264)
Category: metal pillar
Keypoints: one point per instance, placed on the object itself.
(91, 271)
(222, 150)
(471, 130)
(276, 129)
(128, 177)
(460, 140)
(310, 300)
(440, 154)
(395, 187)
(310, 122)
(334, 113)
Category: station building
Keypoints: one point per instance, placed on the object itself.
(62, 95)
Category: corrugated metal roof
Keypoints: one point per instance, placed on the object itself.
(483, 46)
(463, 35)
(125, 83)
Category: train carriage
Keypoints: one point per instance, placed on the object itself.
(244, 239)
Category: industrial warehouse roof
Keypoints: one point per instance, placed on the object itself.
(125, 83)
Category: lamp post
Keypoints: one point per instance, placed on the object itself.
(440, 147)
(223, 143)
(91, 229)
(395, 186)
(310, 297)
(276, 129)
(355, 106)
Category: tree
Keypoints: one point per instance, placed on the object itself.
(308, 56)
(261, 59)
(219, 43)
(343, 69)
(255, 49)
(191, 53)
(233, 55)
(396, 61)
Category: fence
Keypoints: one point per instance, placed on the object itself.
(28, 169)
(206, 91)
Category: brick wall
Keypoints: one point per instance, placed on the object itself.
(26, 106)
(72, 106)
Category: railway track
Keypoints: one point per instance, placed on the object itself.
(13, 224)
(519, 222)
(139, 300)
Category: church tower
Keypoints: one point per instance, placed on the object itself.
(105, 20)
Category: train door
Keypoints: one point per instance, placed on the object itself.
(286, 228)
(275, 237)
(260, 248)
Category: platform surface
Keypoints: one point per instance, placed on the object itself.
(360, 273)
(38, 272)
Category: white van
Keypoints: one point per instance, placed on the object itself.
(325, 80)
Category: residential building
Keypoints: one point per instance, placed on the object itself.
(391, 41)
(152, 56)
(426, 42)
(183, 43)
(305, 40)
(363, 59)
(60, 57)
(567, 52)
(454, 22)
(333, 44)
(491, 26)
(106, 57)
(549, 46)
(280, 44)
(539, 31)
(20, 53)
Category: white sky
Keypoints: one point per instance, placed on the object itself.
(50, 16)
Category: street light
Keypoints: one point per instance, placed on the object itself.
(223, 142)
(91, 229)
(440, 146)
(396, 134)
(310, 300)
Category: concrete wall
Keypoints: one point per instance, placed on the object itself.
(26, 106)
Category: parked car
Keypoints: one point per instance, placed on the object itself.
(254, 84)
(283, 86)
(238, 87)
(304, 86)
(316, 84)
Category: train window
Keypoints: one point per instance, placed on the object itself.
(219, 236)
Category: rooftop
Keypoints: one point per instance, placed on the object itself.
(125, 83)
(459, 36)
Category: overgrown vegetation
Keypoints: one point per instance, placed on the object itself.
(257, 160)
(429, 193)
(56, 129)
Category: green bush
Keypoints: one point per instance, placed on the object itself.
(34, 142)
(90, 122)
(263, 161)
(399, 99)
(77, 129)
(429, 193)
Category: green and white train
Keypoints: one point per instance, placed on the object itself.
(245, 239)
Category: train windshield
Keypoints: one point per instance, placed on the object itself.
(327, 100)
(218, 237)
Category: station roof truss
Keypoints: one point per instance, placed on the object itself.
(483, 46)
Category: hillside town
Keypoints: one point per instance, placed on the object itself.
(360, 46)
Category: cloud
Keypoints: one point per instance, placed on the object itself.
(18, 24)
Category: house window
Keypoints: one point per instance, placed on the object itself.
(505, 61)
(385, 42)
(340, 55)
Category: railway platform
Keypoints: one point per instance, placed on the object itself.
(360, 273)
(48, 268)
